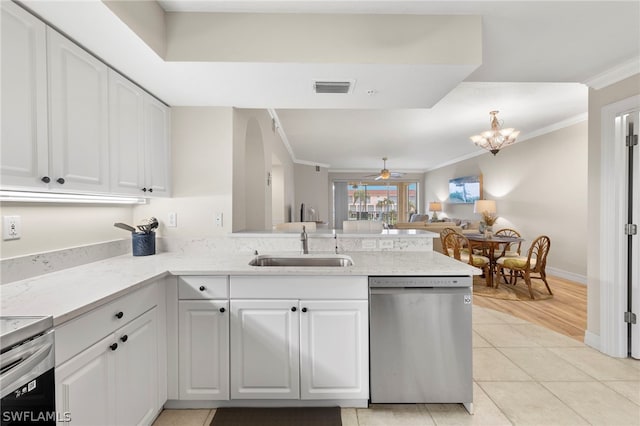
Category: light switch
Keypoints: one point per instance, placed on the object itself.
(172, 220)
(219, 220)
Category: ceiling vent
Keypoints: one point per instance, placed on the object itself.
(331, 86)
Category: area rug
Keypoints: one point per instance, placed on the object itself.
(286, 416)
(519, 291)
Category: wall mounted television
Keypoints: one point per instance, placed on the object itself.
(465, 190)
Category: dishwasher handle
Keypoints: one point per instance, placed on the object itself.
(418, 290)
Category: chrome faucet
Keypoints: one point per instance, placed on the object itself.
(305, 240)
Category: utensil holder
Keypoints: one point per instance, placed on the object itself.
(143, 244)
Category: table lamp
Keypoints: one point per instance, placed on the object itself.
(435, 207)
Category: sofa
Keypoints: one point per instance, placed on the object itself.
(460, 225)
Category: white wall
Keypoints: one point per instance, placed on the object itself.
(201, 152)
(541, 189)
(597, 100)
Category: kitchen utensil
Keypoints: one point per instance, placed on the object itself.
(124, 226)
(144, 228)
(153, 223)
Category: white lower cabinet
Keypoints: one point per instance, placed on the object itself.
(85, 386)
(203, 342)
(264, 349)
(299, 349)
(114, 381)
(334, 347)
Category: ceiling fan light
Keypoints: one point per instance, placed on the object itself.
(385, 174)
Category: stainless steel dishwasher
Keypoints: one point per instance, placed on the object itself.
(420, 340)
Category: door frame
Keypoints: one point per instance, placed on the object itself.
(613, 242)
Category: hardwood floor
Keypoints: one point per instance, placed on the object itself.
(565, 312)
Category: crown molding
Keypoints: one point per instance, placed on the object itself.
(615, 74)
(542, 131)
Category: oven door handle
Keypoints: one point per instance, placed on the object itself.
(27, 365)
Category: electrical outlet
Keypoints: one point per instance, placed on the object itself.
(386, 244)
(11, 228)
(172, 220)
(219, 220)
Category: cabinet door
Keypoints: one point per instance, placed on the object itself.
(203, 343)
(157, 147)
(78, 105)
(85, 386)
(334, 349)
(264, 349)
(24, 144)
(126, 135)
(136, 368)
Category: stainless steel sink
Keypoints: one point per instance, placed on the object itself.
(302, 260)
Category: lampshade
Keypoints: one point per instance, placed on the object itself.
(481, 206)
(435, 206)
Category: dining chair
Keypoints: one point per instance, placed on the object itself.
(457, 246)
(443, 234)
(510, 249)
(534, 263)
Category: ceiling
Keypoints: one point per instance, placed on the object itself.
(536, 58)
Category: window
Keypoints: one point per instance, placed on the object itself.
(389, 202)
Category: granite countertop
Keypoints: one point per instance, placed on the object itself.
(330, 233)
(71, 292)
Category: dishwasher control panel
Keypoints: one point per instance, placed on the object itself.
(420, 281)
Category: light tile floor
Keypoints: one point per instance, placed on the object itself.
(524, 374)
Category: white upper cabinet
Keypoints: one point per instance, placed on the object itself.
(157, 147)
(126, 135)
(71, 124)
(139, 137)
(79, 118)
(24, 144)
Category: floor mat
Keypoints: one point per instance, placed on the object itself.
(281, 416)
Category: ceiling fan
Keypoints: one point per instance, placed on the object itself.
(385, 173)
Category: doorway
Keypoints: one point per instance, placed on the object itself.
(619, 275)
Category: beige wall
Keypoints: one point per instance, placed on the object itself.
(201, 152)
(47, 227)
(353, 38)
(541, 188)
(250, 180)
(145, 18)
(312, 189)
(597, 100)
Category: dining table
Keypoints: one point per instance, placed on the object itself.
(490, 245)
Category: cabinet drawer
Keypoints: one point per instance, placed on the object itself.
(203, 287)
(299, 287)
(74, 336)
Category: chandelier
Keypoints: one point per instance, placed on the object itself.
(497, 138)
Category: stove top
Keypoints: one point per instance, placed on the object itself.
(14, 330)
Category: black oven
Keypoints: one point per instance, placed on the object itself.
(27, 384)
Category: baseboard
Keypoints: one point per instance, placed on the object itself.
(591, 339)
(580, 279)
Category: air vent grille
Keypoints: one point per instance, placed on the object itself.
(331, 86)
